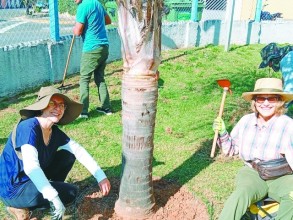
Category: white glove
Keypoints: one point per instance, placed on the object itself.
(59, 208)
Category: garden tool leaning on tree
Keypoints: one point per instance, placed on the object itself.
(225, 84)
(66, 66)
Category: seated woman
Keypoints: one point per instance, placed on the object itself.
(38, 157)
(266, 134)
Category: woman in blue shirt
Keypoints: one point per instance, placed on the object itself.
(37, 158)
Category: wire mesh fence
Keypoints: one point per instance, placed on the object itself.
(21, 22)
(214, 10)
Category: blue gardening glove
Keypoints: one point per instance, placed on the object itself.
(219, 125)
(58, 210)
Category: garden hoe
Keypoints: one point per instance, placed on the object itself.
(225, 84)
(66, 66)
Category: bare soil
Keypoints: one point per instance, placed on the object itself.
(172, 202)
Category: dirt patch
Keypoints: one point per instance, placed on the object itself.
(172, 202)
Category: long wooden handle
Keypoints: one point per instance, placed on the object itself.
(68, 58)
(220, 115)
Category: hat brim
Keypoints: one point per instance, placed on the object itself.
(72, 111)
(285, 96)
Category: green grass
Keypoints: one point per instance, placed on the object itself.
(189, 100)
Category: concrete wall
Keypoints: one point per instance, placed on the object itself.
(30, 65)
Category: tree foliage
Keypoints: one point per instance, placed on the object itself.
(65, 6)
(70, 7)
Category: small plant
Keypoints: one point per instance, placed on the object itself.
(37, 9)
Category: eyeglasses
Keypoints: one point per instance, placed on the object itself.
(54, 104)
(272, 99)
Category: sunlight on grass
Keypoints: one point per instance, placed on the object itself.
(189, 100)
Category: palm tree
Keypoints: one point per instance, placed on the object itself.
(139, 24)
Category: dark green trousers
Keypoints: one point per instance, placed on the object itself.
(250, 188)
(94, 62)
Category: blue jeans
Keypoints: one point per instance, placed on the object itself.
(30, 197)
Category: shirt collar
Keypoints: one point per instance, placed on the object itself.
(266, 124)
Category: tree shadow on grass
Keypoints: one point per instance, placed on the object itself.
(31, 94)
(3, 141)
(5, 103)
(197, 162)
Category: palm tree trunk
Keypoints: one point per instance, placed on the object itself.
(140, 29)
(139, 99)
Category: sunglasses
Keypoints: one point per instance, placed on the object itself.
(54, 104)
(272, 99)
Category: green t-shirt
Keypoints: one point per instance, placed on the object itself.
(91, 13)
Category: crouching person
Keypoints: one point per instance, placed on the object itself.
(38, 157)
(264, 135)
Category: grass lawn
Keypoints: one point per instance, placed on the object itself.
(189, 100)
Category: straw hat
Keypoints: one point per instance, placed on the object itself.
(268, 86)
(72, 111)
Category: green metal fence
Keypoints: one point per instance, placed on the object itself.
(180, 10)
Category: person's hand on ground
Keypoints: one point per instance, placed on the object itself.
(105, 186)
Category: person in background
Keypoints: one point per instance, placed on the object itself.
(280, 59)
(39, 155)
(91, 21)
(263, 135)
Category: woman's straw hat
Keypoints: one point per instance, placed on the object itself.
(72, 111)
(268, 86)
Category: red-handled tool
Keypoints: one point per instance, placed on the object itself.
(225, 84)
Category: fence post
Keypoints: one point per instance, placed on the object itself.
(229, 24)
(54, 20)
(258, 10)
(194, 10)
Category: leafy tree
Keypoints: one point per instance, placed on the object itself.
(67, 6)
(139, 24)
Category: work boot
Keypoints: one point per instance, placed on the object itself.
(19, 214)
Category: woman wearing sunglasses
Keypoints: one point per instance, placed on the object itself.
(266, 134)
(280, 59)
(39, 155)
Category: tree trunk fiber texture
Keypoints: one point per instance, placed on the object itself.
(139, 25)
(139, 99)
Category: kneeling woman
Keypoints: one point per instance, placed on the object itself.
(38, 157)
